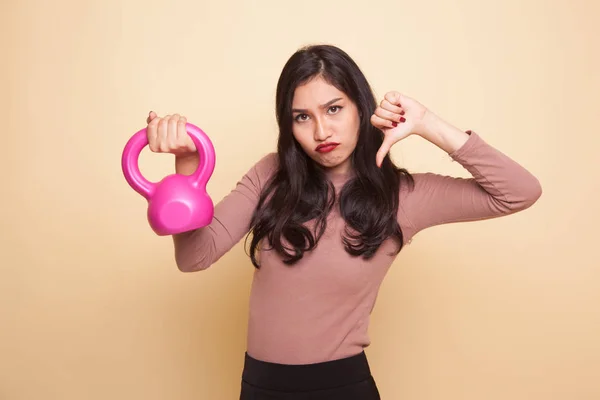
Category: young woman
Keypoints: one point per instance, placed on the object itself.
(327, 214)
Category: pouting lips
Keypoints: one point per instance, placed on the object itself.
(327, 148)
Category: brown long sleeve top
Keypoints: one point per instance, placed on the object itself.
(319, 309)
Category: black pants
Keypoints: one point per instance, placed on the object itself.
(348, 379)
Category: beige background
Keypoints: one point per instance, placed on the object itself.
(92, 305)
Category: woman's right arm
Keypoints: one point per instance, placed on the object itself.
(198, 249)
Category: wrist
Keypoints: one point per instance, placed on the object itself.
(441, 133)
(186, 163)
(186, 156)
(430, 125)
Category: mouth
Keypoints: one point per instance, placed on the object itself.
(326, 147)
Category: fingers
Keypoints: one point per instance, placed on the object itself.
(163, 127)
(382, 123)
(389, 115)
(169, 134)
(386, 105)
(181, 130)
(172, 131)
(394, 98)
(183, 138)
(152, 133)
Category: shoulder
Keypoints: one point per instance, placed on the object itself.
(415, 182)
(263, 169)
(423, 188)
(418, 195)
(267, 164)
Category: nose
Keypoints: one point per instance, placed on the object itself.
(321, 132)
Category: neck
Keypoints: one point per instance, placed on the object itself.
(339, 175)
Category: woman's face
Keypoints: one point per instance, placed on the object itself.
(322, 114)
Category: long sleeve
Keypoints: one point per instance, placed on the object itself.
(199, 249)
(499, 186)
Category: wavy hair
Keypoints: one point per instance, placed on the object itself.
(299, 191)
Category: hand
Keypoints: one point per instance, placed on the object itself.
(398, 116)
(169, 135)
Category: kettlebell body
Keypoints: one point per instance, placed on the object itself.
(177, 203)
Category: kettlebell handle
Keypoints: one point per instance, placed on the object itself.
(135, 145)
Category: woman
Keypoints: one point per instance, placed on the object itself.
(328, 213)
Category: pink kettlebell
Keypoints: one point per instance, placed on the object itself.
(177, 203)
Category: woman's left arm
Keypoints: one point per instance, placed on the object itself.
(499, 185)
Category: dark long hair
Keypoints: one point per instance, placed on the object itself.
(299, 191)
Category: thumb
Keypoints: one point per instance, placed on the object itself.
(388, 141)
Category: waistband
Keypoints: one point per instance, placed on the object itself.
(317, 376)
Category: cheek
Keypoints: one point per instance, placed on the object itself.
(302, 138)
(352, 129)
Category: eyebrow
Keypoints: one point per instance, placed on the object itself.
(330, 102)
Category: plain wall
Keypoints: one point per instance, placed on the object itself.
(92, 305)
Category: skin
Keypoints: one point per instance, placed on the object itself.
(324, 114)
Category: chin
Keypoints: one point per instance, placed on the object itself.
(323, 163)
(330, 162)
(330, 165)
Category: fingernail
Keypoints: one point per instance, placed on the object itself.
(402, 119)
(394, 124)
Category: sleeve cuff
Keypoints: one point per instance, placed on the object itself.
(472, 143)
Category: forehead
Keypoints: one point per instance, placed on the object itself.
(315, 92)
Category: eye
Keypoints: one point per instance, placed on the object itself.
(301, 117)
(336, 108)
